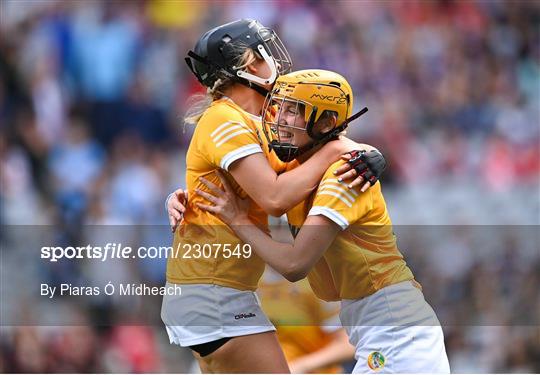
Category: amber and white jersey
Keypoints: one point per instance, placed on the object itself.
(224, 134)
(364, 256)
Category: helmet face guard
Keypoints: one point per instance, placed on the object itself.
(277, 126)
(271, 49)
(285, 113)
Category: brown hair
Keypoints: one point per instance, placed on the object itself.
(326, 118)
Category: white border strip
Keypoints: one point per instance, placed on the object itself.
(239, 153)
(333, 215)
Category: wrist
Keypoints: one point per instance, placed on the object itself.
(241, 219)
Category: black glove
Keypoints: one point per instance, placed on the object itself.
(368, 164)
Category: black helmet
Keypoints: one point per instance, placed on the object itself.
(218, 52)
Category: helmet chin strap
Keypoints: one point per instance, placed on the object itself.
(286, 152)
(335, 132)
(256, 79)
(258, 89)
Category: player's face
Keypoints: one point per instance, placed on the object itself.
(292, 124)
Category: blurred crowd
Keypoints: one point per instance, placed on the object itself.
(92, 95)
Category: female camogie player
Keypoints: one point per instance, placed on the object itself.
(218, 315)
(344, 241)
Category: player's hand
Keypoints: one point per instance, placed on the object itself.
(226, 204)
(366, 166)
(176, 206)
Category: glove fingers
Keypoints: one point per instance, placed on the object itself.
(358, 161)
(369, 176)
(370, 165)
(361, 168)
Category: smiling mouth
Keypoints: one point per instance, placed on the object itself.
(285, 136)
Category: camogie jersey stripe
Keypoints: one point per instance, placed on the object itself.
(337, 195)
(223, 126)
(217, 138)
(218, 134)
(349, 194)
(239, 153)
(333, 215)
(334, 181)
(232, 136)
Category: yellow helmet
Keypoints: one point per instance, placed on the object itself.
(318, 92)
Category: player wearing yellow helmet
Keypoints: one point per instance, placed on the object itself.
(344, 241)
(218, 315)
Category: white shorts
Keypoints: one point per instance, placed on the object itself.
(395, 331)
(207, 312)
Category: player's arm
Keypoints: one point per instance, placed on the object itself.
(293, 261)
(277, 194)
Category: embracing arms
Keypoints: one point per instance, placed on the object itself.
(293, 261)
(278, 193)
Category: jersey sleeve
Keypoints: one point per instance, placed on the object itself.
(226, 136)
(337, 202)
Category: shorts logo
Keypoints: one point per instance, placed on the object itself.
(376, 361)
(244, 316)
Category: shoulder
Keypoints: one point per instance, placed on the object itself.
(223, 135)
(222, 122)
(338, 202)
(330, 171)
(329, 178)
(330, 185)
(220, 112)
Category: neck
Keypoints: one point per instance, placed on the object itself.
(309, 153)
(247, 99)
